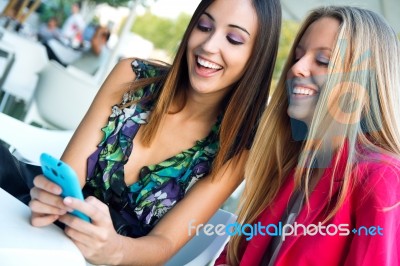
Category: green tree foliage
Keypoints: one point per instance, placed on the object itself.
(61, 8)
(164, 33)
(56, 8)
(288, 33)
(112, 2)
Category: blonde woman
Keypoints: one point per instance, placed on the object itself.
(323, 176)
(161, 146)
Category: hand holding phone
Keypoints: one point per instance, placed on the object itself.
(63, 175)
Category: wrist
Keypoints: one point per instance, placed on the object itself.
(117, 257)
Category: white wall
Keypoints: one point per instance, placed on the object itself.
(390, 9)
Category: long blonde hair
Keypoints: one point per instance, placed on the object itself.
(364, 79)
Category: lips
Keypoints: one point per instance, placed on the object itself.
(300, 88)
(206, 67)
(207, 64)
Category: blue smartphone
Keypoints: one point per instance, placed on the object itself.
(63, 175)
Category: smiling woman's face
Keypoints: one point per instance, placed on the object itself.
(220, 45)
(307, 76)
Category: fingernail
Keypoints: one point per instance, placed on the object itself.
(67, 200)
(56, 190)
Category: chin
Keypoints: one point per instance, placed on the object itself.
(300, 113)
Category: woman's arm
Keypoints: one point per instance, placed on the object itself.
(100, 243)
(46, 204)
(88, 134)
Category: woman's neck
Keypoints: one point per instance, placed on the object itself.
(199, 106)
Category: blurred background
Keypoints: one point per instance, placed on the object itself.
(153, 28)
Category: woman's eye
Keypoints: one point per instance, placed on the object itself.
(204, 28)
(322, 60)
(233, 40)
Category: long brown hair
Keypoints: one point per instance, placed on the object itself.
(246, 100)
(274, 153)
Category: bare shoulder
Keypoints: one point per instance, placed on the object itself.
(89, 133)
(120, 77)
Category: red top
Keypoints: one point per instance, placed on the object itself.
(374, 201)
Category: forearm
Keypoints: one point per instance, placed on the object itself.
(147, 250)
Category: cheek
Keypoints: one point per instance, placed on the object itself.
(239, 62)
(320, 79)
(290, 74)
(196, 38)
(189, 44)
(190, 50)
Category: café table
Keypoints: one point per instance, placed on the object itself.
(23, 244)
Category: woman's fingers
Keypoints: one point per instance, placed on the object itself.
(40, 220)
(47, 192)
(46, 204)
(43, 208)
(77, 228)
(43, 183)
(45, 198)
(44, 214)
(92, 207)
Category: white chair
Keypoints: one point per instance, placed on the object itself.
(30, 55)
(28, 142)
(30, 58)
(7, 58)
(204, 249)
(61, 98)
(66, 54)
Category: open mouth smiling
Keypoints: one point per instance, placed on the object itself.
(300, 90)
(201, 62)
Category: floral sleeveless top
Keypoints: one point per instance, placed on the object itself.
(136, 209)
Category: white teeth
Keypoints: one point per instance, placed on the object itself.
(208, 64)
(303, 91)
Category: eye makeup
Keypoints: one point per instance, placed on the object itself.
(204, 24)
(322, 59)
(235, 39)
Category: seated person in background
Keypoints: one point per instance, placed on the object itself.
(97, 54)
(88, 60)
(88, 33)
(74, 25)
(49, 30)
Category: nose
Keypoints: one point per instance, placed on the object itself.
(212, 44)
(301, 68)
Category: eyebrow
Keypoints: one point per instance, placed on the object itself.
(317, 48)
(230, 25)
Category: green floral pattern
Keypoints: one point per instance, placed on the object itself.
(160, 186)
